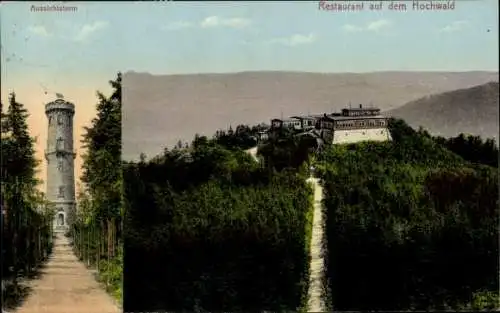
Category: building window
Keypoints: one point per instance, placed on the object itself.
(60, 165)
(61, 192)
(60, 144)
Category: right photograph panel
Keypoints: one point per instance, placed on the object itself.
(313, 156)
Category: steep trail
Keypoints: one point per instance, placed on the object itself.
(315, 302)
(65, 285)
(315, 293)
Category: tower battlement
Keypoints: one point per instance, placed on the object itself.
(59, 105)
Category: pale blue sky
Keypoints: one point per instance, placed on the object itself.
(76, 53)
(165, 38)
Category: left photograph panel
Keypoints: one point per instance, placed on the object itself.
(61, 178)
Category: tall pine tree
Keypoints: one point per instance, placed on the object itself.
(18, 171)
(102, 174)
(20, 162)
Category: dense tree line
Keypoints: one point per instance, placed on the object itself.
(412, 223)
(243, 137)
(209, 229)
(286, 149)
(26, 214)
(472, 148)
(97, 231)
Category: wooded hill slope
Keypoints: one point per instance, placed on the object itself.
(472, 111)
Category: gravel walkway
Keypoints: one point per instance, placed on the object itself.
(315, 294)
(65, 285)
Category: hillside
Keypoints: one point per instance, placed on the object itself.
(472, 110)
(160, 110)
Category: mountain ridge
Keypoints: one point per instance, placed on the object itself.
(159, 110)
(473, 111)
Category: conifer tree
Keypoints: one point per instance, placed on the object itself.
(18, 181)
(102, 161)
(22, 162)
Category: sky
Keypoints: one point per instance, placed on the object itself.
(76, 52)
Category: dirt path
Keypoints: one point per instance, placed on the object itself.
(65, 285)
(253, 153)
(315, 294)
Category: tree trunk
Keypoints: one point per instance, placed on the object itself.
(28, 244)
(109, 250)
(98, 248)
(88, 245)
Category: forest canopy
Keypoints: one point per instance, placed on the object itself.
(209, 229)
(410, 223)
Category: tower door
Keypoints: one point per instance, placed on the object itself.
(60, 219)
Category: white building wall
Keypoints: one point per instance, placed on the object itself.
(358, 135)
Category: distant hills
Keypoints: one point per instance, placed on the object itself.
(158, 110)
(472, 110)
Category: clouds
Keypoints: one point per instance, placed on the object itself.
(378, 25)
(375, 26)
(454, 27)
(383, 24)
(39, 30)
(215, 21)
(77, 34)
(295, 40)
(210, 22)
(88, 29)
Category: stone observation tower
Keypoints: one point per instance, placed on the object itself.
(60, 161)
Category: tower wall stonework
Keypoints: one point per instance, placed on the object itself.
(60, 157)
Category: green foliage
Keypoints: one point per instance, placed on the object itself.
(485, 300)
(243, 137)
(96, 233)
(102, 160)
(410, 224)
(472, 148)
(26, 215)
(287, 150)
(111, 273)
(214, 232)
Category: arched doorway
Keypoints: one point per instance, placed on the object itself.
(60, 219)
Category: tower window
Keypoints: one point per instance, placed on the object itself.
(60, 165)
(61, 192)
(60, 144)
(59, 120)
(50, 120)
